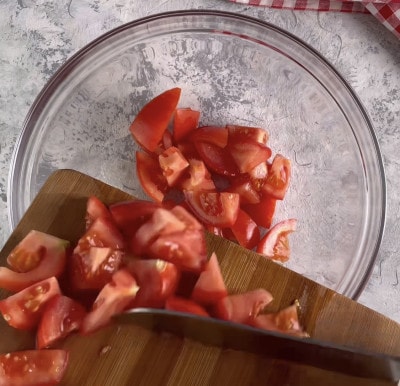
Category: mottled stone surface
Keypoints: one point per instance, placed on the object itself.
(36, 37)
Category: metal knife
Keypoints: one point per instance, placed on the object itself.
(306, 351)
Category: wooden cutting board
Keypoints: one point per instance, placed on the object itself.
(131, 355)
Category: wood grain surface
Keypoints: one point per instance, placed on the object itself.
(131, 355)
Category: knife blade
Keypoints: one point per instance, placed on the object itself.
(305, 351)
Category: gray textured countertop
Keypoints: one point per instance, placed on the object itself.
(36, 37)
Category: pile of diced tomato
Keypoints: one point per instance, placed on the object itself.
(153, 253)
(225, 175)
(132, 254)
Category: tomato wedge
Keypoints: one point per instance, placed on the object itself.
(33, 367)
(180, 304)
(185, 121)
(278, 178)
(112, 299)
(285, 321)
(24, 309)
(217, 159)
(61, 316)
(263, 212)
(210, 286)
(157, 280)
(215, 135)
(275, 244)
(199, 177)
(152, 120)
(151, 176)
(242, 133)
(244, 186)
(214, 208)
(95, 208)
(241, 307)
(37, 257)
(246, 231)
(173, 164)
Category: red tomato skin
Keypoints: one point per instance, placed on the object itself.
(114, 298)
(152, 120)
(243, 133)
(46, 367)
(151, 176)
(157, 280)
(244, 186)
(95, 208)
(275, 243)
(217, 159)
(24, 309)
(239, 308)
(61, 316)
(249, 154)
(215, 135)
(179, 304)
(210, 286)
(52, 262)
(246, 231)
(185, 121)
(277, 181)
(214, 208)
(262, 213)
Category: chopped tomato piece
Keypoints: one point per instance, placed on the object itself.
(157, 280)
(24, 309)
(37, 257)
(173, 164)
(243, 133)
(210, 286)
(214, 208)
(277, 180)
(215, 135)
(33, 367)
(162, 222)
(151, 176)
(241, 307)
(152, 120)
(185, 121)
(188, 149)
(244, 186)
(186, 249)
(275, 244)
(167, 141)
(249, 154)
(285, 321)
(93, 269)
(262, 213)
(188, 219)
(180, 304)
(112, 299)
(259, 173)
(130, 215)
(217, 159)
(61, 316)
(245, 230)
(95, 209)
(199, 177)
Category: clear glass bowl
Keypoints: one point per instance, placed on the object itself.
(234, 69)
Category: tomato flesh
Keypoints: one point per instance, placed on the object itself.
(173, 164)
(246, 231)
(244, 133)
(215, 135)
(95, 209)
(262, 213)
(210, 286)
(185, 121)
(112, 299)
(277, 181)
(61, 316)
(275, 244)
(24, 309)
(33, 367)
(152, 120)
(37, 257)
(214, 208)
(175, 303)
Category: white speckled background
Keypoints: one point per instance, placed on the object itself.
(37, 36)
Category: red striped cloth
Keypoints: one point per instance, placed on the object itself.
(386, 11)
